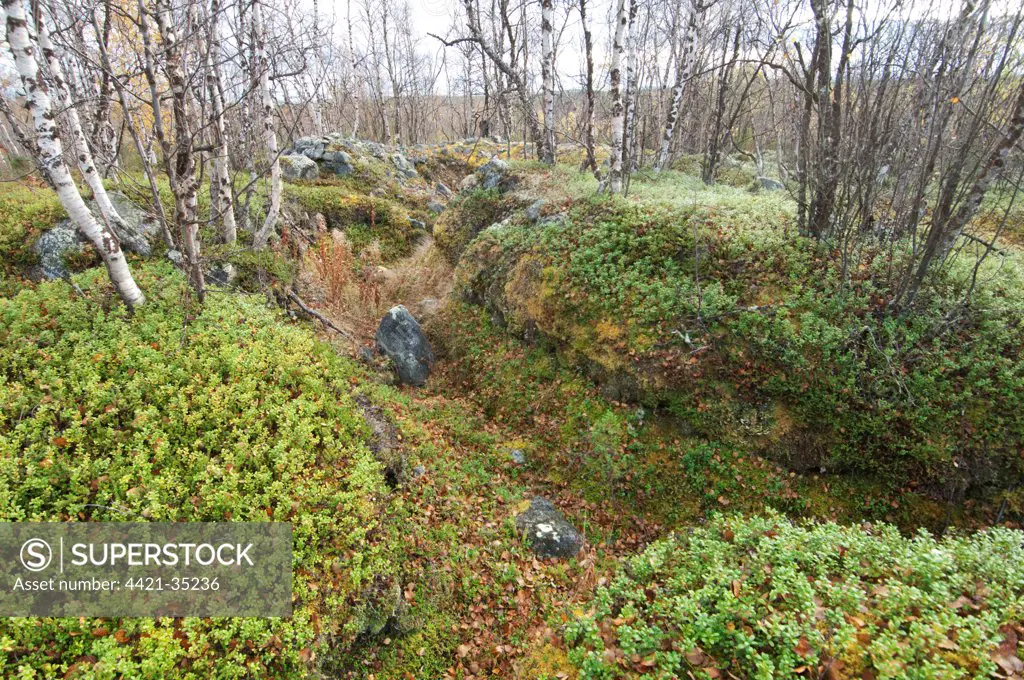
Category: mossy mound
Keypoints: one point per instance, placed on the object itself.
(747, 333)
(225, 413)
(763, 598)
(468, 215)
(364, 218)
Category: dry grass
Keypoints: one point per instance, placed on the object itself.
(355, 292)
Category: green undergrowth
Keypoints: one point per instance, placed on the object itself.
(609, 451)
(748, 334)
(225, 413)
(764, 598)
(468, 215)
(25, 212)
(365, 219)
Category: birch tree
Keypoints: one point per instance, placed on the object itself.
(684, 70)
(50, 154)
(618, 111)
(548, 77)
(221, 194)
(269, 132)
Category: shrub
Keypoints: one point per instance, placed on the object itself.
(764, 598)
(752, 334)
(233, 415)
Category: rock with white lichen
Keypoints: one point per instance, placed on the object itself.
(547, 531)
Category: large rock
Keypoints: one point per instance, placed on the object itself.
(547, 530)
(139, 227)
(494, 174)
(54, 245)
(400, 337)
(338, 162)
(769, 184)
(404, 166)
(311, 147)
(296, 167)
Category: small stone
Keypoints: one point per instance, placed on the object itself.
(533, 212)
(547, 530)
(435, 207)
(54, 245)
(517, 456)
(223, 273)
(175, 257)
(418, 471)
(366, 355)
(418, 224)
(338, 162)
(769, 184)
(443, 189)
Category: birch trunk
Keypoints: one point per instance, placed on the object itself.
(62, 96)
(590, 161)
(181, 169)
(548, 77)
(356, 99)
(618, 117)
(220, 178)
(269, 133)
(630, 99)
(683, 71)
(50, 155)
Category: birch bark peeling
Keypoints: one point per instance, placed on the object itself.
(50, 156)
(548, 77)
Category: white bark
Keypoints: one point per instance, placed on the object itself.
(181, 168)
(356, 87)
(618, 117)
(548, 77)
(50, 155)
(223, 204)
(269, 133)
(63, 99)
(683, 71)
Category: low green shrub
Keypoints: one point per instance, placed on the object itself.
(224, 413)
(763, 598)
(753, 336)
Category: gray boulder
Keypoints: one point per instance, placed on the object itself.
(533, 212)
(139, 228)
(311, 147)
(547, 530)
(435, 207)
(400, 337)
(493, 174)
(769, 184)
(54, 245)
(222, 274)
(175, 257)
(294, 167)
(404, 166)
(418, 224)
(443, 189)
(338, 162)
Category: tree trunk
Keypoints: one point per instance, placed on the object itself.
(615, 75)
(220, 179)
(269, 133)
(548, 76)
(683, 71)
(590, 161)
(50, 155)
(181, 166)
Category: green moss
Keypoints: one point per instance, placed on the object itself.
(25, 212)
(715, 309)
(763, 598)
(364, 219)
(234, 415)
(467, 216)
